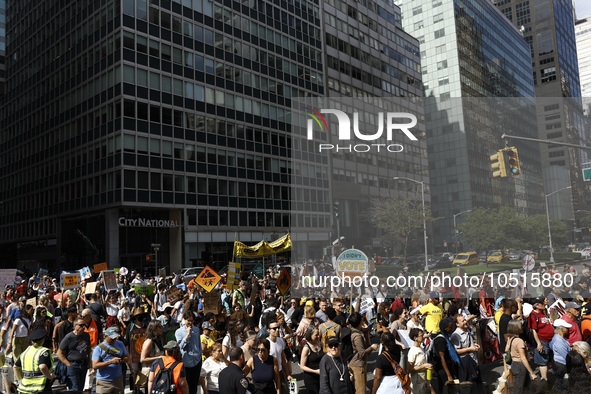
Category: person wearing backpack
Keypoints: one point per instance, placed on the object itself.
(443, 356)
(329, 328)
(167, 374)
(361, 351)
(107, 360)
(389, 377)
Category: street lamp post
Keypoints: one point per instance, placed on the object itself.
(424, 218)
(548, 220)
(455, 228)
(156, 248)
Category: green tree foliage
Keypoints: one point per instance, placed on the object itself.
(503, 228)
(400, 220)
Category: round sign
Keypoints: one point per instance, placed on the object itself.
(528, 262)
(123, 271)
(352, 262)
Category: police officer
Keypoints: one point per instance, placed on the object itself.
(232, 379)
(34, 368)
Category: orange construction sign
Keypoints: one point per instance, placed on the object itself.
(284, 281)
(208, 279)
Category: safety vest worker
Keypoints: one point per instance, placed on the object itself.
(34, 368)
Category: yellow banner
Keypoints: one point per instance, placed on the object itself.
(263, 248)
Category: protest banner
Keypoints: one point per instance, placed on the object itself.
(110, 280)
(70, 280)
(90, 288)
(100, 267)
(233, 279)
(173, 295)
(210, 302)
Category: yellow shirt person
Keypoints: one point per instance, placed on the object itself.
(433, 312)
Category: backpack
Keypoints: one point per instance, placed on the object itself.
(163, 381)
(329, 332)
(402, 376)
(430, 352)
(346, 344)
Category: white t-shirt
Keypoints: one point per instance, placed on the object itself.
(112, 309)
(211, 371)
(227, 343)
(410, 325)
(416, 355)
(123, 314)
(276, 349)
(21, 330)
(178, 315)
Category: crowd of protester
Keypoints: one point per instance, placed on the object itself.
(425, 341)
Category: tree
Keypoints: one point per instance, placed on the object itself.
(400, 220)
(503, 228)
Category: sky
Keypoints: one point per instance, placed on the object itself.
(583, 8)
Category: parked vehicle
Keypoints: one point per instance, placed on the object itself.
(497, 257)
(514, 256)
(468, 258)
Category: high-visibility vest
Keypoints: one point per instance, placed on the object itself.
(33, 380)
(93, 332)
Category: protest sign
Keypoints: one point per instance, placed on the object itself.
(208, 279)
(210, 302)
(32, 302)
(352, 263)
(144, 289)
(284, 281)
(90, 288)
(110, 280)
(85, 273)
(7, 277)
(162, 272)
(173, 295)
(233, 275)
(70, 280)
(100, 267)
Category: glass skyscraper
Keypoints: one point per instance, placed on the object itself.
(134, 122)
(471, 54)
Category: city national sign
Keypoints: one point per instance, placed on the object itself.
(143, 222)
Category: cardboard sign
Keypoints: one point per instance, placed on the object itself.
(7, 277)
(208, 279)
(141, 290)
(110, 280)
(162, 272)
(173, 295)
(117, 270)
(90, 288)
(233, 279)
(137, 336)
(210, 302)
(284, 281)
(100, 267)
(70, 281)
(32, 302)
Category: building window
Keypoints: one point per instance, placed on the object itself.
(442, 65)
(417, 10)
(438, 18)
(439, 33)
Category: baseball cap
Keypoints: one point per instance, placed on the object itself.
(333, 340)
(170, 345)
(562, 323)
(434, 294)
(112, 332)
(538, 300)
(527, 309)
(572, 305)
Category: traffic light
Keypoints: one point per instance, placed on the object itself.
(513, 161)
(150, 257)
(498, 164)
(336, 207)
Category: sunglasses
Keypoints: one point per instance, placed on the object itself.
(333, 346)
(273, 328)
(262, 350)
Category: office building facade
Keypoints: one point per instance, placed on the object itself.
(548, 26)
(471, 54)
(583, 37)
(135, 123)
